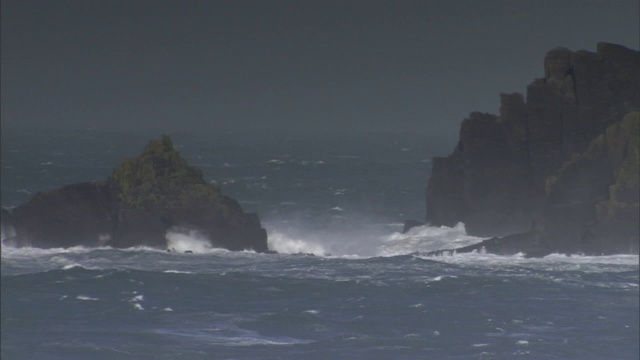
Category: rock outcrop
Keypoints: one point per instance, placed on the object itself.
(496, 179)
(592, 202)
(143, 199)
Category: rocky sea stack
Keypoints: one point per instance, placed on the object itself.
(557, 170)
(143, 200)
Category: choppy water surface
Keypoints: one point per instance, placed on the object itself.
(108, 304)
(346, 284)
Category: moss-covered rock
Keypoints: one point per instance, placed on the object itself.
(160, 177)
(143, 199)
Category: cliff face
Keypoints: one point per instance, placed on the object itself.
(143, 199)
(593, 200)
(591, 204)
(494, 181)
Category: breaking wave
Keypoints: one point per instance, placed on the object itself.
(370, 241)
(180, 240)
(427, 238)
(285, 244)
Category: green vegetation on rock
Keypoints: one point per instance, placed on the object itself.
(595, 196)
(627, 183)
(624, 193)
(613, 158)
(161, 178)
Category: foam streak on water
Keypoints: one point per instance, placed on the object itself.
(245, 305)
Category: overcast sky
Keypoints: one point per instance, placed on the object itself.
(357, 65)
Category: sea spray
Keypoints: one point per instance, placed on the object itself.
(427, 238)
(367, 240)
(284, 244)
(187, 240)
(360, 240)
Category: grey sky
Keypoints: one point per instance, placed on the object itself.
(207, 65)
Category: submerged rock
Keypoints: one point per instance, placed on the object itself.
(143, 199)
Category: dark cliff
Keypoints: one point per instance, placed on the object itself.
(495, 179)
(591, 204)
(143, 199)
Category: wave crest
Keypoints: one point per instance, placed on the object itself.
(181, 240)
(284, 244)
(427, 238)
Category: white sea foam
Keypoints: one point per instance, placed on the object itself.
(440, 277)
(182, 240)
(7, 233)
(258, 340)
(427, 238)
(286, 245)
(71, 266)
(230, 335)
(137, 298)
(86, 298)
(550, 262)
(363, 239)
(31, 252)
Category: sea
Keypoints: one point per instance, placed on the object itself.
(345, 282)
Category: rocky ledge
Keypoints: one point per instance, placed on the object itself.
(557, 172)
(143, 200)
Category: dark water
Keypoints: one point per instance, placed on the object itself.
(374, 297)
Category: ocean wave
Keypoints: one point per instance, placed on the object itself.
(77, 266)
(285, 244)
(427, 238)
(187, 242)
(362, 243)
(562, 262)
(13, 252)
(177, 272)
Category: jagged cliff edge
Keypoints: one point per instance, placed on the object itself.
(497, 180)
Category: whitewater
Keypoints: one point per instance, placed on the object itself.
(345, 283)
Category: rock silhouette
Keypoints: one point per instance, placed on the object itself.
(520, 171)
(143, 199)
